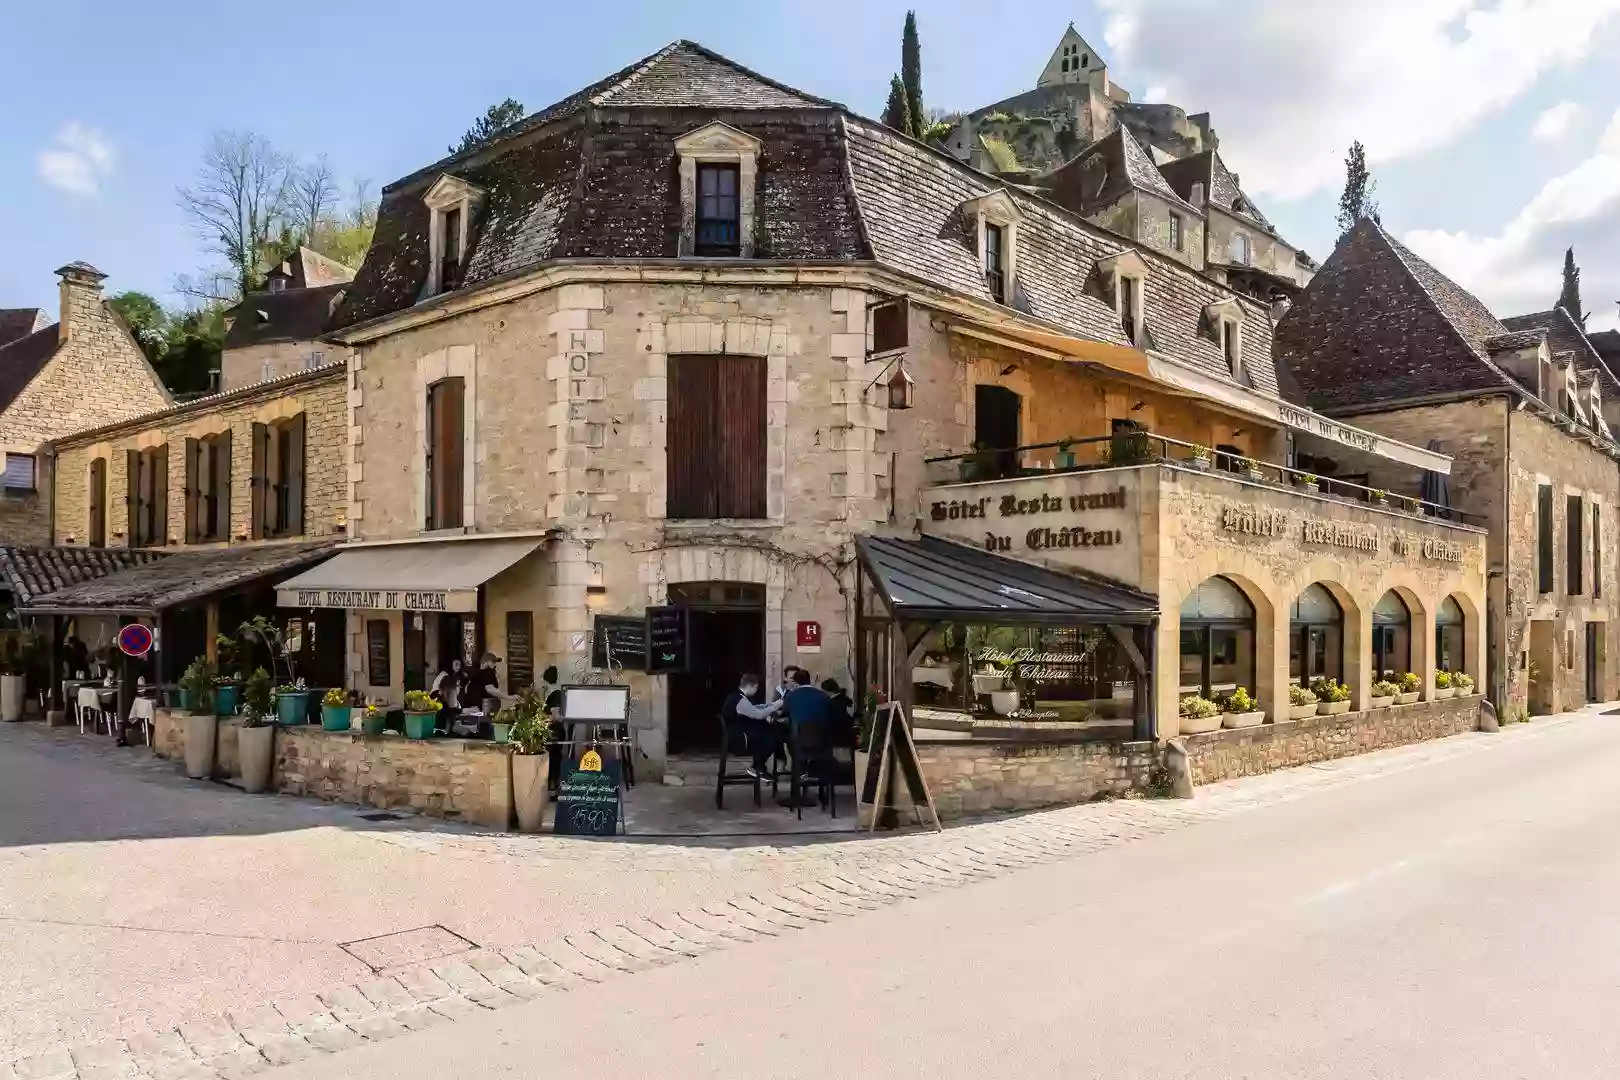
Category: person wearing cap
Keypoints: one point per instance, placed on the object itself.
(486, 684)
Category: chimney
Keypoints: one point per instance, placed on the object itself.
(81, 297)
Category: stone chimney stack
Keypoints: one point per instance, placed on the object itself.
(81, 298)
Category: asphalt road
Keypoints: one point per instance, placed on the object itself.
(1455, 919)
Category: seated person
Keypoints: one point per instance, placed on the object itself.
(808, 722)
(745, 714)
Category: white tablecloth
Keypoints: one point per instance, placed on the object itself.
(90, 697)
(142, 709)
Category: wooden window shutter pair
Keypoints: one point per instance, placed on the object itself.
(98, 503)
(194, 495)
(259, 484)
(445, 457)
(716, 443)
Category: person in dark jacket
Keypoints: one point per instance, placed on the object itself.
(744, 713)
(840, 714)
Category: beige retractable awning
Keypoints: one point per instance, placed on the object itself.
(430, 576)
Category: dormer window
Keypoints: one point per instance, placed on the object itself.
(994, 219)
(1232, 345)
(451, 203)
(995, 261)
(1130, 308)
(718, 164)
(1127, 274)
(1223, 324)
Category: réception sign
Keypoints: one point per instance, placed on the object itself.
(381, 599)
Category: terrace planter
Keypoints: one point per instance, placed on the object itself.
(200, 743)
(336, 717)
(1441, 695)
(1004, 702)
(529, 773)
(1198, 725)
(374, 723)
(1406, 699)
(419, 725)
(1300, 712)
(502, 732)
(292, 708)
(1381, 702)
(12, 693)
(1242, 719)
(1332, 708)
(254, 746)
(1199, 463)
(225, 699)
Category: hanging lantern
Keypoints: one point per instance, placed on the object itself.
(902, 388)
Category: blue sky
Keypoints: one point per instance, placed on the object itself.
(1491, 123)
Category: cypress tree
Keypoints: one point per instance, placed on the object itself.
(911, 76)
(1356, 202)
(1570, 297)
(897, 113)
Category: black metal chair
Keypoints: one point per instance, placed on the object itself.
(734, 744)
(812, 757)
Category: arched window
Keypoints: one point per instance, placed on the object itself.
(1449, 648)
(1217, 639)
(1392, 636)
(1315, 637)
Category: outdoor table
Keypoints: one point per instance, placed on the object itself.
(93, 696)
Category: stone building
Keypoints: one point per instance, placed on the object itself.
(277, 330)
(637, 355)
(1525, 407)
(83, 370)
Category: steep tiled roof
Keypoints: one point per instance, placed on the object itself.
(19, 322)
(290, 315)
(30, 572)
(1220, 185)
(1107, 169)
(1379, 324)
(910, 199)
(1565, 338)
(183, 577)
(24, 358)
(1607, 344)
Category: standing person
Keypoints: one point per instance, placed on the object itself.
(485, 685)
(788, 681)
(744, 713)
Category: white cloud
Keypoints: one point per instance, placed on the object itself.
(77, 160)
(1520, 269)
(1291, 83)
(1557, 123)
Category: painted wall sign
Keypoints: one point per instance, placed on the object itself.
(809, 636)
(461, 600)
(1318, 425)
(1339, 534)
(1256, 521)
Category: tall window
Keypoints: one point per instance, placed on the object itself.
(278, 479)
(1130, 307)
(1240, 249)
(97, 532)
(208, 489)
(1392, 636)
(1448, 637)
(450, 249)
(147, 496)
(716, 442)
(1597, 552)
(1175, 232)
(995, 261)
(1315, 636)
(1231, 345)
(1575, 553)
(1544, 538)
(446, 406)
(718, 216)
(1217, 639)
(19, 474)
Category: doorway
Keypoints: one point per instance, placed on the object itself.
(1594, 661)
(996, 424)
(416, 673)
(1543, 667)
(726, 635)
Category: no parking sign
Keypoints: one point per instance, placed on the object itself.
(135, 640)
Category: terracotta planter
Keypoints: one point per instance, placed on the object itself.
(1380, 702)
(529, 773)
(1197, 725)
(200, 744)
(1441, 695)
(1300, 712)
(1242, 719)
(1332, 708)
(254, 746)
(1406, 699)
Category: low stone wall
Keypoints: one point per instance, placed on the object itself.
(1223, 755)
(976, 776)
(460, 779)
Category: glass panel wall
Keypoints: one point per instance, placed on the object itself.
(1392, 637)
(1315, 637)
(1217, 639)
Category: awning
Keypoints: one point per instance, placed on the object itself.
(176, 580)
(928, 579)
(1056, 346)
(434, 575)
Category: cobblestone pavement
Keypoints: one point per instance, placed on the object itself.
(747, 892)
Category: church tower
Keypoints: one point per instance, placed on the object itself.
(1074, 61)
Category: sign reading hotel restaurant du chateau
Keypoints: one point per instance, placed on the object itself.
(1041, 537)
(381, 599)
(1254, 521)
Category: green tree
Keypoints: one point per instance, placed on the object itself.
(1356, 202)
(897, 113)
(147, 321)
(911, 75)
(1570, 297)
(196, 339)
(486, 127)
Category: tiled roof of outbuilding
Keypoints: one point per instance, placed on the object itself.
(261, 318)
(19, 322)
(30, 572)
(24, 358)
(183, 577)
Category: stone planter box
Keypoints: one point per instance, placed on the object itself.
(1441, 695)
(1300, 712)
(1197, 725)
(1380, 702)
(1242, 719)
(1406, 699)
(1332, 708)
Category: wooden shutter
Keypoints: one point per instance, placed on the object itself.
(258, 485)
(195, 529)
(98, 503)
(691, 428)
(222, 486)
(294, 434)
(132, 497)
(740, 430)
(445, 404)
(160, 495)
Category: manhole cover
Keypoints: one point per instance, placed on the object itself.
(381, 815)
(407, 947)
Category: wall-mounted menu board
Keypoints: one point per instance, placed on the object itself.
(379, 663)
(625, 636)
(519, 650)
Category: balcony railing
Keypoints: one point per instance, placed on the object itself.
(1137, 448)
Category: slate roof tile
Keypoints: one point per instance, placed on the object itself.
(185, 576)
(30, 572)
(19, 322)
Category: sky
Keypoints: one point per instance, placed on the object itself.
(1492, 126)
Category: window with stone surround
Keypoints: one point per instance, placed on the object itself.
(96, 530)
(1597, 552)
(446, 408)
(208, 489)
(1544, 538)
(718, 166)
(451, 204)
(994, 219)
(277, 481)
(1175, 232)
(995, 261)
(1240, 248)
(146, 496)
(719, 231)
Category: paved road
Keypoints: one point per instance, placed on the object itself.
(1453, 914)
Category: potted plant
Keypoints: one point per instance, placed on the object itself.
(373, 721)
(1199, 714)
(226, 685)
(501, 724)
(1383, 694)
(196, 690)
(1301, 702)
(1379, 497)
(16, 652)
(1200, 457)
(1310, 479)
(256, 738)
(292, 703)
(1250, 468)
(1442, 685)
(1065, 454)
(1463, 682)
(421, 709)
(1410, 685)
(1332, 697)
(531, 739)
(336, 715)
(1240, 710)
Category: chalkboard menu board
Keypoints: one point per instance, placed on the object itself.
(519, 650)
(627, 637)
(588, 800)
(379, 664)
(666, 639)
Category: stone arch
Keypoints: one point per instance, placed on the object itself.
(1265, 660)
(1421, 615)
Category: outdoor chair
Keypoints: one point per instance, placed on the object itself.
(733, 744)
(812, 757)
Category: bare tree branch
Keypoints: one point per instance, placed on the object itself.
(238, 201)
(314, 197)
